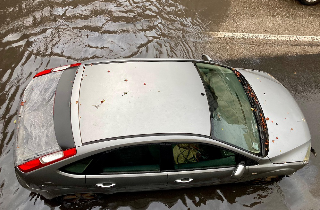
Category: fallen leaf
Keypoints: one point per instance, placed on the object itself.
(267, 118)
(103, 101)
(272, 121)
(15, 121)
(22, 103)
(108, 71)
(272, 141)
(252, 109)
(76, 102)
(276, 137)
(144, 83)
(292, 129)
(126, 80)
(295, 73)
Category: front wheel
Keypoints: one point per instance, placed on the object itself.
(309, 2)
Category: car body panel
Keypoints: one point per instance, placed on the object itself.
(74, 106)
(205, 177)
(287, 126)
(127, 182)
(143, 98)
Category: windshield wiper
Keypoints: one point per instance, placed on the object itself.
(257, 111)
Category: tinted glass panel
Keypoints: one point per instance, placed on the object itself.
(129, 159)
(190, 156)
(78, 167)
(232, 118)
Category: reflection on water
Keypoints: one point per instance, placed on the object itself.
(214, 197)
(36, 35)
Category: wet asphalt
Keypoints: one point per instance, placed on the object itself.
(37, 35)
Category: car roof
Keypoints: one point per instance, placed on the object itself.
(134, 98)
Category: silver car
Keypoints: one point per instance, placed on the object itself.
(149, 124)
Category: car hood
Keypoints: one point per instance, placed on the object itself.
(289, 136)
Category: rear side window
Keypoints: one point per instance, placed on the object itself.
(130, 159)
(193, 156)
(124, 160)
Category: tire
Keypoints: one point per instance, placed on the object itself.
(309, 2)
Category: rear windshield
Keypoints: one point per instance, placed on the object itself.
(232, 119)
(36, 135)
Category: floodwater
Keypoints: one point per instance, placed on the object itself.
(37, 35)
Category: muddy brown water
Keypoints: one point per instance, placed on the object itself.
(36, 35)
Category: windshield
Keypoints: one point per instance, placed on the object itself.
(232, 118)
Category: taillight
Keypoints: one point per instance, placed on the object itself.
(46, 160)
(61, 68)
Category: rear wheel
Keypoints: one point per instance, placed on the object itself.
(310, 2)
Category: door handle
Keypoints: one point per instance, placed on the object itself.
(106, 185)
(184, 180)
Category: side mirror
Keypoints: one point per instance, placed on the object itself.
(206, 58)
(240, 169)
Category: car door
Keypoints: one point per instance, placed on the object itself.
(133, 168)
(197, 164)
